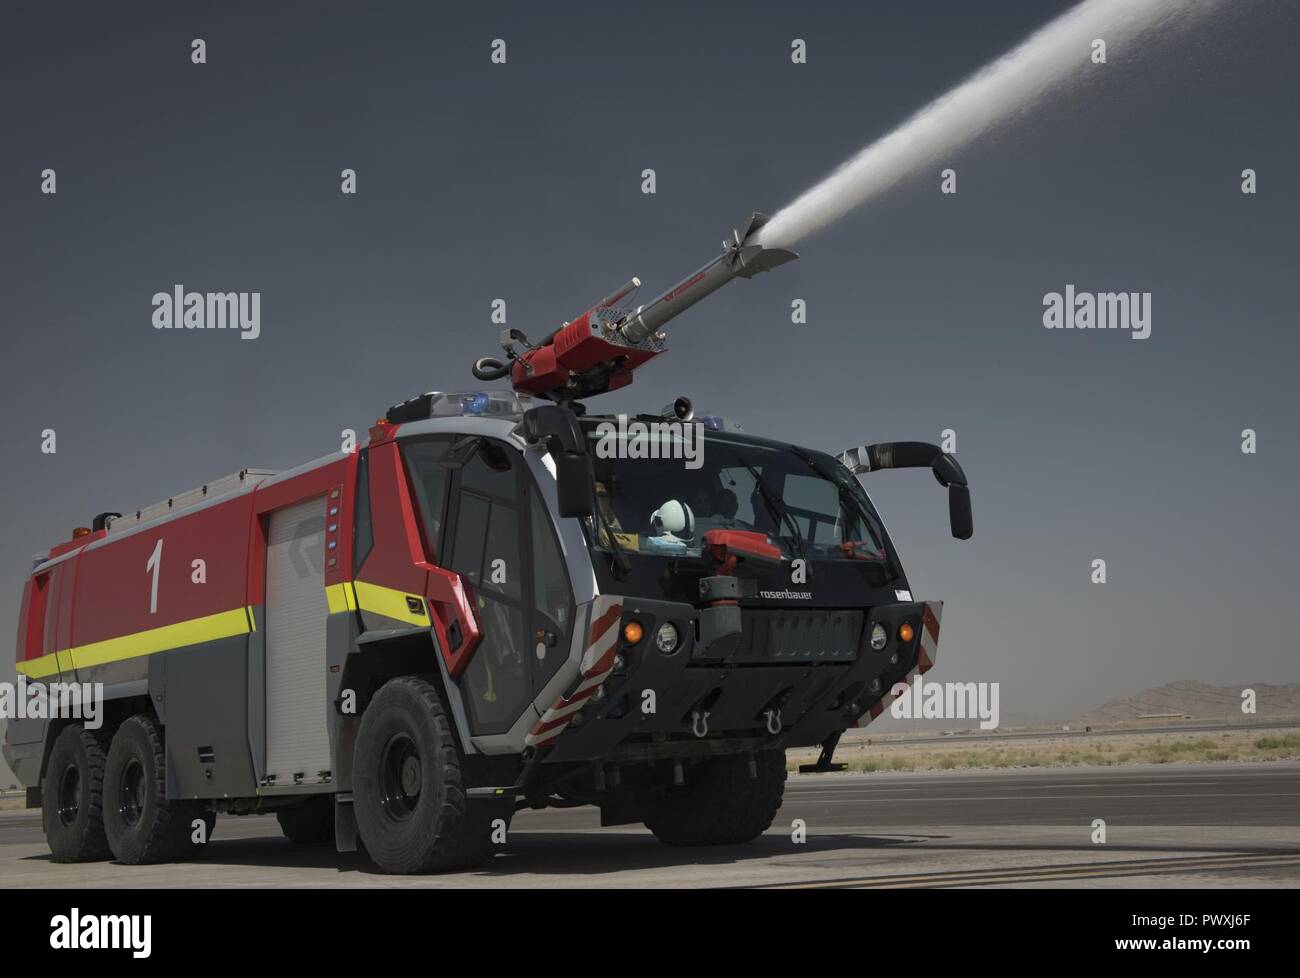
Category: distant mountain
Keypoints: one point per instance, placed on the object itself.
(1199, 701)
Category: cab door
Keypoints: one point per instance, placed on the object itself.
(486, 547)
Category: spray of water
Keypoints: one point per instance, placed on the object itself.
(1049, 60)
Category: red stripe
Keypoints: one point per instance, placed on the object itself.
(931, 623)
(601, 625)
(598, 628)
(544, 725)
(580, 696)
(559, 723)
(604, 663)
(561, 704)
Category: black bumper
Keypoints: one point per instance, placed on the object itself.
(792, 678)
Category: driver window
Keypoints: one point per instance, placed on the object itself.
(486, 551)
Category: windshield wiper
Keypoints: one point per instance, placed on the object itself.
(775, 508)
(619, 565)
(842, 480)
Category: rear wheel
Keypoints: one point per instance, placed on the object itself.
(411, 805)
(142, 824)
(72, 797)
(309, 824)
(720, 804)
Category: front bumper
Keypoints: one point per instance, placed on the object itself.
(794, 677)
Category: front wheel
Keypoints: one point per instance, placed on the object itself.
(411, 806)
(720, 804)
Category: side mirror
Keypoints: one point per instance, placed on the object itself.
(959, 514)
(575, 480)
(554, 426)
(574, 483)
(917, 455)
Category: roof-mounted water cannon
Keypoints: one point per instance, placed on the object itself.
(599, 350)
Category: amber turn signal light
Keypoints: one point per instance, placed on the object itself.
(905, 632)
(632, 632)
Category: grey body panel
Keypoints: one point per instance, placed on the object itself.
(114, 674)
(202, 693)
(24, 749)
(341, 633)
(255, 716)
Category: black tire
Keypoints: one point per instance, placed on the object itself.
(410, 802)
(720, 804)
(142, 825)
(310, 823)
(72, 797)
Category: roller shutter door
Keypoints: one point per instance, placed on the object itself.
(297, 739)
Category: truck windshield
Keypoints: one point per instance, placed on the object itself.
(804, 501)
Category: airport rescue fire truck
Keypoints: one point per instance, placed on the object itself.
(497, 602)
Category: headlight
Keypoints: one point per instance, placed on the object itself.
(878, 636)
(666, 638)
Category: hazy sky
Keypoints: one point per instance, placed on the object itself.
(523, 181)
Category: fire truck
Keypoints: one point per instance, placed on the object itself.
(500, 601)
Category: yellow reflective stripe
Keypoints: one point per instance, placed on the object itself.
(390, 603)
(46, 665)
(341, 597)
(225, 624)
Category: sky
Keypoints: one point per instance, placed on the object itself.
(523, 181)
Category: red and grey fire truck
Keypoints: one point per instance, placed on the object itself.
(496, 602)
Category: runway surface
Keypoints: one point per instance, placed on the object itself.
(1166, 826)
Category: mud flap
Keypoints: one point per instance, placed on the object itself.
(345, 823)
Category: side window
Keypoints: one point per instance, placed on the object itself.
(486, 550)
(471, 537)
(363, 528)
(550, 579)
(429, 478)
(502, 568)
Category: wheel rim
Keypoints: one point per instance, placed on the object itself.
(401, 777)
(130, 802)
(69, 803)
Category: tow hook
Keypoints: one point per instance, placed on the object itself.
(773, 722)
(700, 723)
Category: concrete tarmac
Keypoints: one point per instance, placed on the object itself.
(1221, 825)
